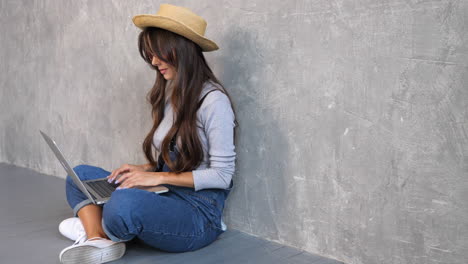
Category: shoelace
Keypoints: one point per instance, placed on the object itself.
(81, 239)
(81, 233)
(78, 228)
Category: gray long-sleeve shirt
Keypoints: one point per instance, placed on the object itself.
(215, 121)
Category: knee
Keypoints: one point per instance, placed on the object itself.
(69, 180)
(80, 167)
(78, 171)
(120, 213)
(120, 202)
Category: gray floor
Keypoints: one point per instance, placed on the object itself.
(32, 206)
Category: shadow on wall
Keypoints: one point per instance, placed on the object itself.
(261, 147)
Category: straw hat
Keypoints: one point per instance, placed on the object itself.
(179, 20)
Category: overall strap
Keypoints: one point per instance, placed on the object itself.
(203, 98)
(172, 143)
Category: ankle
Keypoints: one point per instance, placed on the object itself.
(95, 235)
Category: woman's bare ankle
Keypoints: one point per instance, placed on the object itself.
(95, 235)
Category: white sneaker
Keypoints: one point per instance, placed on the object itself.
(72, 228)
(92, 251)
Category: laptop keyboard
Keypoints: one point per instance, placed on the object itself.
(103, 188)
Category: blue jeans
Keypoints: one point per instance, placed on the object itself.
(176, 221)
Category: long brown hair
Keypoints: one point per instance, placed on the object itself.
(192, 72)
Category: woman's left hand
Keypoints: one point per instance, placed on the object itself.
(140, 179)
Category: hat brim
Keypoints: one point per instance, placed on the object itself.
(144, 21)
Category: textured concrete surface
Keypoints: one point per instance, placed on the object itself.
(353, 114)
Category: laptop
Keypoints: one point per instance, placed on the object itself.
(97, 190)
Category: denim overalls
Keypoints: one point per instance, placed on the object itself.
(180, 220)
(205, 200)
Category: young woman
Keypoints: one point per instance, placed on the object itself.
(193, 134)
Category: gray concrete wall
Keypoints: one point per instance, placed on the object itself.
(353, 114)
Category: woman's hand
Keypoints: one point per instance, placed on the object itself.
(140, 179)
(125, 169)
